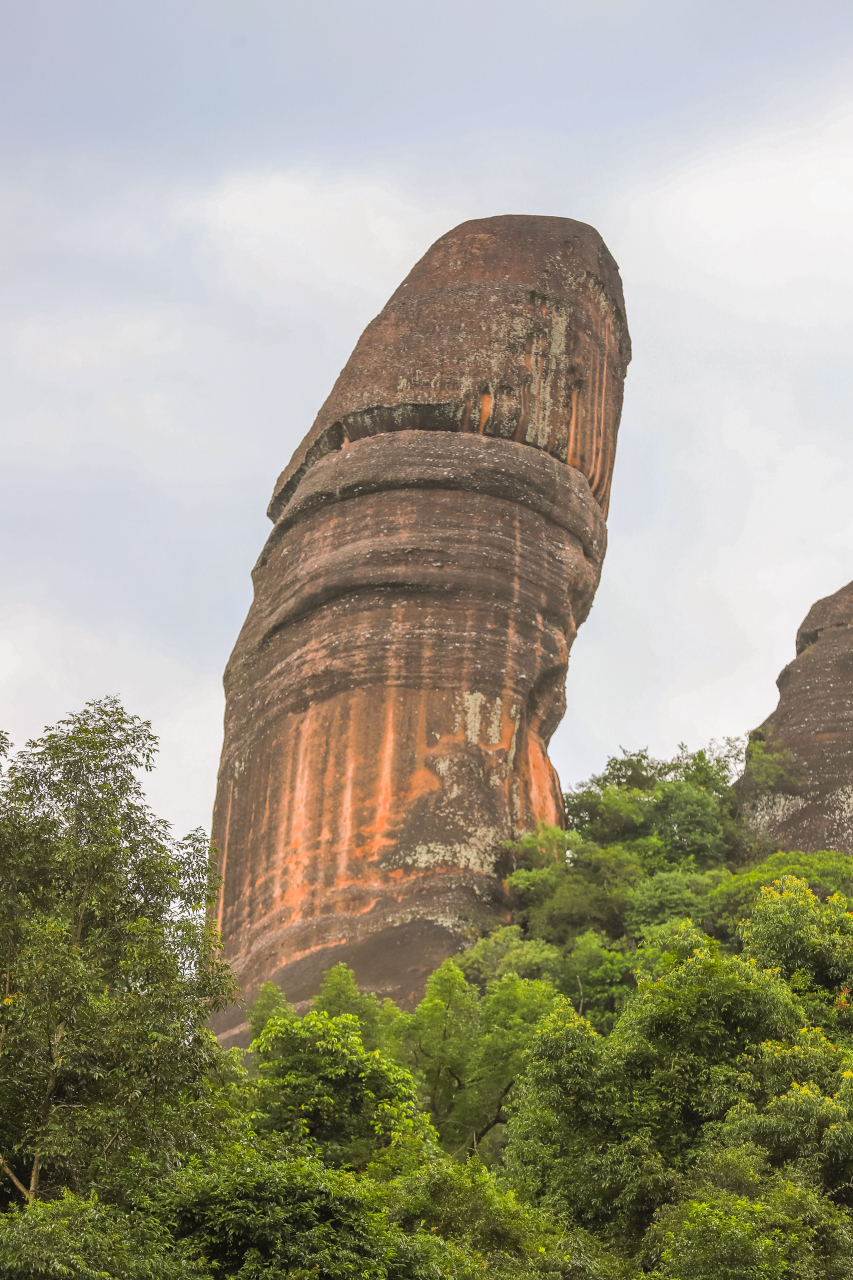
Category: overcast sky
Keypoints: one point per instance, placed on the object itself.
(201, 206)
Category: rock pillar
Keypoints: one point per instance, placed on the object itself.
(813, 723)
(438, 538)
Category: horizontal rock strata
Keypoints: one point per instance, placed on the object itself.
(814, 723)
(438, 539)
(511, 327)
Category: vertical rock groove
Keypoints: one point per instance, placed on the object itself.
(438, 539)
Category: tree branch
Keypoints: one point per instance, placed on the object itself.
(45, 1110)
(17, 1181)
(110, 1143)
(8, 993)
(487, 1128)
(34, 1179)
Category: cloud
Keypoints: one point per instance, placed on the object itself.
(164, 350)
(731, 504)
(760, 229)
(329, 246)
(168, 345)
(51, 665)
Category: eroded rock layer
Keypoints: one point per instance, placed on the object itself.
(511, 327)
(438, 540)
(814, 723)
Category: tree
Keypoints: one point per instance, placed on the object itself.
(85, 1238)
(110, 968)
(335, 1103)
(649, 843)
(669, 812)
(589, 886)
(467, 1052)
(606, 1128)
(811, 944)
(506, 950)
(467, 1204)
(340, 994)
(133, 1148)
(733, 897)
(769, 767)
(249, 1215)
(317, 1082)
(786, 1231)
(269, 1002)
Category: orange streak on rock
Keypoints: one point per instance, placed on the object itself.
(438, 539)
(485, 409)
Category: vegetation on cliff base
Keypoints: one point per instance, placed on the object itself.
(648, 1073)
(648, 842)
(131, 1145)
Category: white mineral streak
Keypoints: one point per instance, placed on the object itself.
(476, 853)
(767, 812)
(473, 703)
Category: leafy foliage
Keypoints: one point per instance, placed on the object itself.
(132, 1146)
(768, 766)
(318, 1082)
(667, 813)
(110, 968)
(248, 1215)
(649, 842)
(786, 1232)
(88, 1240)
(467, 1204)
(606, 1124)
(319, 1086)
(810, 943)
(646, 1073)
(710, 1132)
(467, 1052)
(735, 896)
(340, 994)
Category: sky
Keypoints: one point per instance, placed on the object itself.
(202, 204)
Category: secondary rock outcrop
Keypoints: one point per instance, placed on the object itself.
(438, 540)
(813, 723)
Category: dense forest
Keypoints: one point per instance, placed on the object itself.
(649, 1072)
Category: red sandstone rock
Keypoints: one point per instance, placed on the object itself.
(814, 722)
(438, 540)
(511, 327)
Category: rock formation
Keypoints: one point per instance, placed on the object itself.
(814, 724)
(438, 539)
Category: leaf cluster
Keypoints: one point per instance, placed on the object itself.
(109, 966)
(648, 843)
(134, 1148)
(646, 1073)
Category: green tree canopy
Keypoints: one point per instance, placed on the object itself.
(340, 994)
(110, 967)
(467, 1051)
(608, 1127)
(811, 944)
(318, 1082)
(709, 1135)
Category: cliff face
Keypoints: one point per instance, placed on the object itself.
(508, 327)
(814, 722)
(438, 540)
